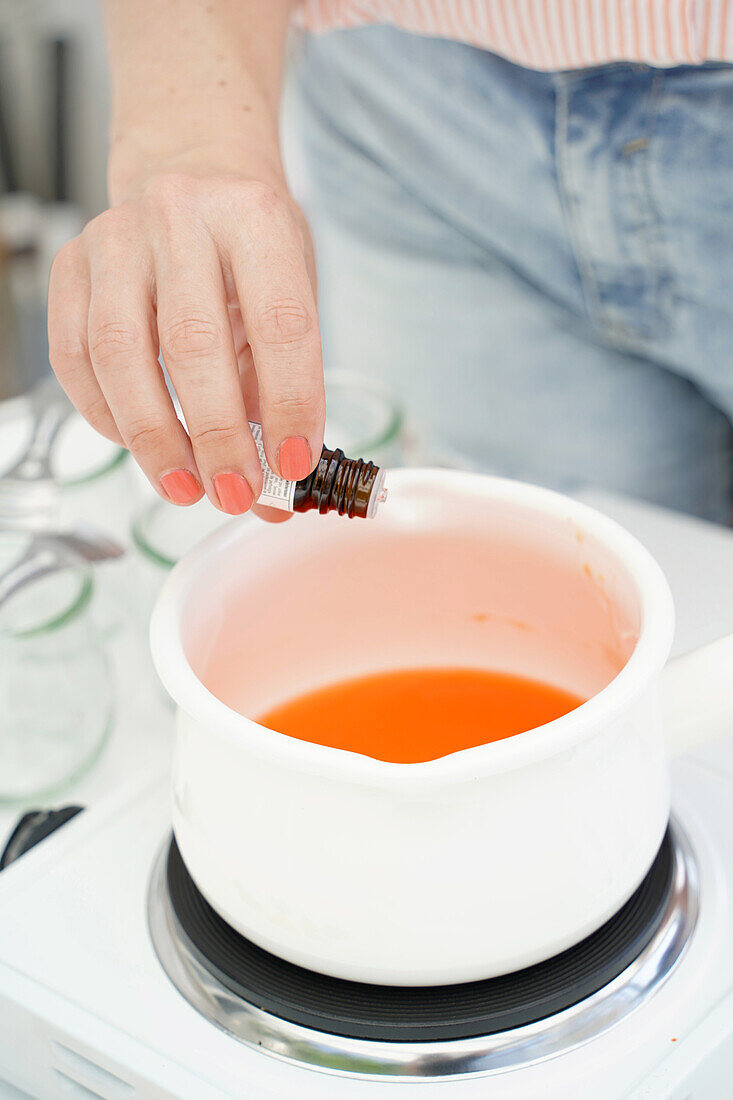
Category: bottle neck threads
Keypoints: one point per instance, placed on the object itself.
(349, 486)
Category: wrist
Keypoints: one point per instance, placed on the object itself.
(139, 154)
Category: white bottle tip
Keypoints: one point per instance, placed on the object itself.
(378, 495)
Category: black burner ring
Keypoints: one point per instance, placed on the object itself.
(419, 1014)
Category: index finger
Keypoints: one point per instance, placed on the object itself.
(276, 298)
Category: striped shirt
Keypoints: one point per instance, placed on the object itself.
(552, 34)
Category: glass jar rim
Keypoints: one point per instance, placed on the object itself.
(115, 460)
(141, 541)
(81, 600)
(394, 422)
(69, 610)
(18, 408)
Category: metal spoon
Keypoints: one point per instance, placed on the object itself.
(27, 490)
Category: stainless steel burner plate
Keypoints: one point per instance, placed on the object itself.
(500, 1051)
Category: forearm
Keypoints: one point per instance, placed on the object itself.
(195, 88)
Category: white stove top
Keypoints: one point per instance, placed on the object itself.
(83, 995)
(87, 1011)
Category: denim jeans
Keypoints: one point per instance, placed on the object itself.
(540, 265)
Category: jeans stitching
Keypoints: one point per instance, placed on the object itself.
(658, 270)
(576, 234)
(653, 236)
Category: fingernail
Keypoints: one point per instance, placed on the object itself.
(235, 495)
(180, 486)
(294, 458)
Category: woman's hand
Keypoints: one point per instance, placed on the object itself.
(216, 271)
(203, 255)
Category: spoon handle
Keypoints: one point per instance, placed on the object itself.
(37, 562)
(51, 410)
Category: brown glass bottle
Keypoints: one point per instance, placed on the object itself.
(349, 486)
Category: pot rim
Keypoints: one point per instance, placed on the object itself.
(645, 662)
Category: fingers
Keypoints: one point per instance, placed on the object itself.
(272, 515)
(248, 381)
(269, 270)
(69, 293)
(198, 349)
(163, 271)
(124, 354)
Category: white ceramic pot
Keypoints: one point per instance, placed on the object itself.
(483, 861)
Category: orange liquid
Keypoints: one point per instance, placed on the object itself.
(420, 714)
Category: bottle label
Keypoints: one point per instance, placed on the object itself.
(276, 491)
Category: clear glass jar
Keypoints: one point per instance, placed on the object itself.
(56, 688)
(94, 478)
(97, 484)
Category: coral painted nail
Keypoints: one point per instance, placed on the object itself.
(180, 486)
(234, 493)
(294, 458)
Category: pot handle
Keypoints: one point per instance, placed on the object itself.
(697, 695)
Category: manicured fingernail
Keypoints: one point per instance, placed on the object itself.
(235, 495)
(180, 486)
(294, 458)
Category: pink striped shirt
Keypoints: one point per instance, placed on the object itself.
(552, 34)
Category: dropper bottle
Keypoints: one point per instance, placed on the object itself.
(349, 486)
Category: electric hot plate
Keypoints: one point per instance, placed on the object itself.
(473, 1027)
